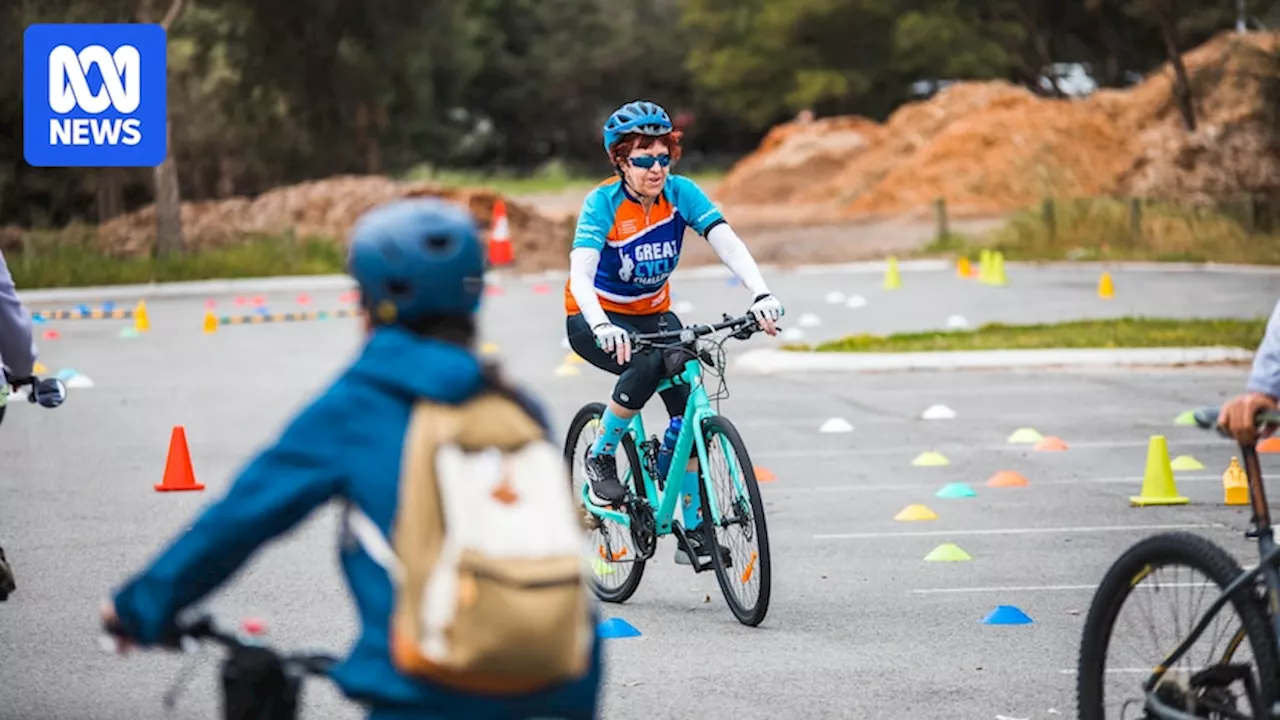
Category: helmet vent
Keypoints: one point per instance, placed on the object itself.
(398, 288)
(438, 244)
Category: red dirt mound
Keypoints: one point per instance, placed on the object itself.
(993, 146)
(327, 208)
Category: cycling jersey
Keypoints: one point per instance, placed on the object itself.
(638, 249)
(17, 346)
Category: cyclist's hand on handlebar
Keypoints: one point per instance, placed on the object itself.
(1238, 416)
(115, 631)
(613, 340)
(767, 310)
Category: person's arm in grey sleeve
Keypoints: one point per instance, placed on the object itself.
(1265, 376)
(17, 344)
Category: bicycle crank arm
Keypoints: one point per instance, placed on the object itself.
(683, 539)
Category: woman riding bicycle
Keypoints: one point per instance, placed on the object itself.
(627, 243)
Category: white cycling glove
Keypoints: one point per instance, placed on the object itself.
(767, 310)
(613, 340)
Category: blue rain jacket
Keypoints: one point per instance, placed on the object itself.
(328, 452)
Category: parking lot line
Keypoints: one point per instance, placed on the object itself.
(1119, 479)
(1002, 447)
(1011, 531)
(1035, 588)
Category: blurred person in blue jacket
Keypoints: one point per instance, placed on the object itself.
(420, 267)
(18, 358)
(1262, 390)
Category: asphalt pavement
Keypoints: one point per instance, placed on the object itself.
(860, 625)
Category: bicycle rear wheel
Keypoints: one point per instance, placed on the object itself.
(1179, 687)
(617, 564)
(742, 527)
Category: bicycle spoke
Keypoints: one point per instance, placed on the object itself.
(736, 530)
(1143, 634)
(613, 556)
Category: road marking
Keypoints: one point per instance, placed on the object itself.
(1041, 588)
(1014, 531)
(911, 449)
(1115, 671)
(1135, 479)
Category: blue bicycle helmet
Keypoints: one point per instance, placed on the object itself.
(639, 116)
(417, 257)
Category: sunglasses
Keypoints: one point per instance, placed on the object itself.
(644, 162)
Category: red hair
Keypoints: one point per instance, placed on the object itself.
(621, 149)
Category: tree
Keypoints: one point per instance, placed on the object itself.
(168, 192)
(1163, 14)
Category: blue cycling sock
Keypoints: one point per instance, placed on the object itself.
(692, 500)
(611, 429)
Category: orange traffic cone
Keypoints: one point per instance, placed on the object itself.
(178, 474)
(500, 236)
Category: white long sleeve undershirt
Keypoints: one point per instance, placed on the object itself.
(735, 255)
(582, 284)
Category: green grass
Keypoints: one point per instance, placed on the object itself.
(77, 264)
(1104, 229)
(1126, 332)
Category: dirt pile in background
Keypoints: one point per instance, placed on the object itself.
(792, 155)
(993, 146)
(328, 208)
(1236, 147)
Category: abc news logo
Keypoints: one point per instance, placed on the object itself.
(94, 95)
(121, 90)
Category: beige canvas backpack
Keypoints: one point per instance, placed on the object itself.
(487, 554)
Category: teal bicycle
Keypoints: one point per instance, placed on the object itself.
(730, 495)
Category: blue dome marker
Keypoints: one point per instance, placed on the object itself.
(1006, 615)
(617, 628)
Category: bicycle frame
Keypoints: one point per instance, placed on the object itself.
(1268, 568)
(697, 409)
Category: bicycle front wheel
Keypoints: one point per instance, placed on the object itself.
(617, 564)
(745, 580)
(1200, 571)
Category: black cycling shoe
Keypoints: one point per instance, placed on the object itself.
(698, 541)
(7, 585)
(602, 472)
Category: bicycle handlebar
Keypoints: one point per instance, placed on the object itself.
(204, 628)
(746, 323)
(49, 393)
(1207, 419)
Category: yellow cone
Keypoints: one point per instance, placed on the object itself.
(1235, 484)
(210, 323)
(997, 270)
(1186, 462)
(963, 269)
(892, 280)
(141, 321)
(1106, 290)
(1158, 487)
(915, 512)
(984, 266)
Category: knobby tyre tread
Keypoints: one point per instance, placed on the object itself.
(1181, 549)
(589, 412)
(718, 424)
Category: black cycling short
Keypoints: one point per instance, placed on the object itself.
(640, 377)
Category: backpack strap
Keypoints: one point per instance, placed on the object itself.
(372, 540)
